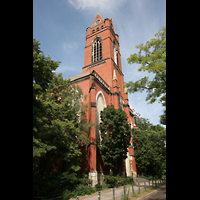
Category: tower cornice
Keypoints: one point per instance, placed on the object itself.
(101, 30)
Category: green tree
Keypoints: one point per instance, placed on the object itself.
(59, 127)
(152, 57)
(42, 76)
(62, 131)
(60, 122)
(115, 134)
(149, 147)
(42, 69)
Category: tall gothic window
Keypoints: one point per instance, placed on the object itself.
(115, 50)
(96, 50)
(100, 105)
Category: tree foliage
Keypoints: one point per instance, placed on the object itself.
(59, 133)
(152, 57)
(42, 69)
(59, 123)
(115, 134)
(42, 75)
(149, 148)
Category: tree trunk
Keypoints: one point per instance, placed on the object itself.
(48, 164)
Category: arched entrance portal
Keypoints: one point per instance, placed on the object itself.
(100, 105)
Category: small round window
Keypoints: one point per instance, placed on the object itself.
(98, 20)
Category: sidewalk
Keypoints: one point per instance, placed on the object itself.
(160, 194)
(108, 194)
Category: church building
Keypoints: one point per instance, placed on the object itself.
(102, 81)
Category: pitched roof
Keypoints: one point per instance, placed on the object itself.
(79, 76)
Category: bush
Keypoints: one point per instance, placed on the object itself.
(129, 180)
(120, 180)
(110, 180)
(91, 190)
(98, 187)
(151, 178)
(83, 189)
(79, 190)
(115, 181)
(85, 181)
(66, 195)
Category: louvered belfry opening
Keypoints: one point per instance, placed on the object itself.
(97, 53)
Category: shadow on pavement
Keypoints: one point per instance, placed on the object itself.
(158, 195)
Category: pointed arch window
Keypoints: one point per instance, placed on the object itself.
(100, 105)
(115, 50)
(96, 50)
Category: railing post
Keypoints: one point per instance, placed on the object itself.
(99, 196)
(113, 193)
(136, 177)
(144, 186)
(124, 191)
(139, 187)
(132, 189)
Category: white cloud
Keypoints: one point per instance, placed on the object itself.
(101, 4)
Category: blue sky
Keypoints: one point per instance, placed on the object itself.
(60, 26)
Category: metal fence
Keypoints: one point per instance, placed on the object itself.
(140, 184)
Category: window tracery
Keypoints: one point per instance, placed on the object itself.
(96, 50)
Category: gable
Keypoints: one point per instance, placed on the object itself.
(98, 20)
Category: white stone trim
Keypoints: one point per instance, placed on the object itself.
(98, 93)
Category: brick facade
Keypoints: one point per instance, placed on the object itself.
(102, 75)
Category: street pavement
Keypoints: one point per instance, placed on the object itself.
(108, 194)
(158, 195)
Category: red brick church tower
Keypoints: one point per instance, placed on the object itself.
(102, 80)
